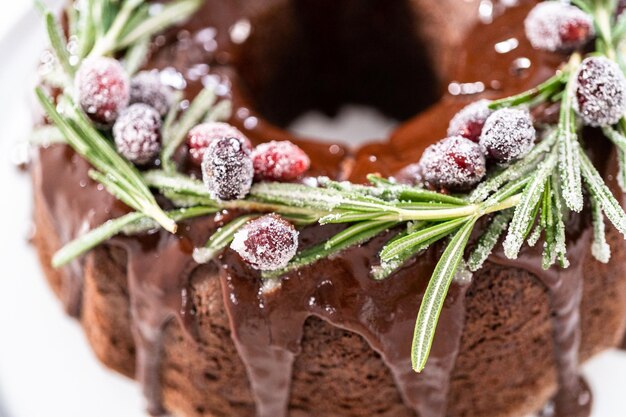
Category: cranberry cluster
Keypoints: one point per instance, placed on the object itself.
(132, 107)
(477, 136)
(230, 164)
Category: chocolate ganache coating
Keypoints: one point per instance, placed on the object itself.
(210, 340)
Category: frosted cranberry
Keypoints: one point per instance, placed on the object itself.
(267, 243)
(227, 169)
(102, 89)
(201, 136)
(470, 120)
(600, 92)
(508, 135)
(554, 26)
(279, 161)
(146, 87)
(137, 133)
(454, 164)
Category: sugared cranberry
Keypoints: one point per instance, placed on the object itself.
(553, 26)
(470, 120)
(600, 92)
(279, 161)
(227, 169)
(137, 133)
(146, 87)
(508, 135)
(102, 89)
(267, 243)
(454, 164)
(201, 136)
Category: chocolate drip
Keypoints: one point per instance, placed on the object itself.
(565, 288)
(267, 323)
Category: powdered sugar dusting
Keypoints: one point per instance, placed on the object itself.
(146, 87)
(137, 133)
(267, 243)
(279, 161)
(508, 135)
(600, 92)
(227, 169)
(201, 136)
(454, 163)
(554, 26)
(102, 89)
(470, 120)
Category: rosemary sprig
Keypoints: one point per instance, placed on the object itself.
(125, 180)
(435, 295)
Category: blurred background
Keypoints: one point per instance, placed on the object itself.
(46, 366)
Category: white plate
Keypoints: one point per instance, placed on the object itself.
(46, 366)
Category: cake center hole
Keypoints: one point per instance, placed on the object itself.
(344, 70)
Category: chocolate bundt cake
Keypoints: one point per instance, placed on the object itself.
(210, 340)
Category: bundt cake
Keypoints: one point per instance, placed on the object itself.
(214, 339)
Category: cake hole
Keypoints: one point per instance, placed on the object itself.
(322, 55)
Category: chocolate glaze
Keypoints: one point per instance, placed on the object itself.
(267, 324)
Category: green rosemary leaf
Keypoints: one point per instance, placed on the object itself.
(550, 84)
(222, 111)
(86, 28)
(314, 254)
(348, 217)
(600, 249)
(527, 206)
(535, 235)
(356, 230)
(399, 246)
(119, 18)
(178, 132)
(113, 185)
(602, 194)
(435, 295)
(168, 15)
(92, 239)
(619, 29)
(172, 113)
(559, 223)
(46, 136)
(58, 42)
(131, 223)
(489, 239)
(389, 190)
(515, 171)
(620, 142)
(136, 55)
(220, 239)
(567, 142)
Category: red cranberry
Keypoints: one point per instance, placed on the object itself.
(454, 164)
(470, 120)
(279, 161)
(137, 133)
(227, 169)
(554, 26)
(600, 92)
(267, 243)
(201, 136)
(102, 89)
(146, 87)
(508, 134)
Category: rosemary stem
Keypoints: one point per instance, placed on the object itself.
(503, 205)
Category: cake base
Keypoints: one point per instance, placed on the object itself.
(505, 367)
